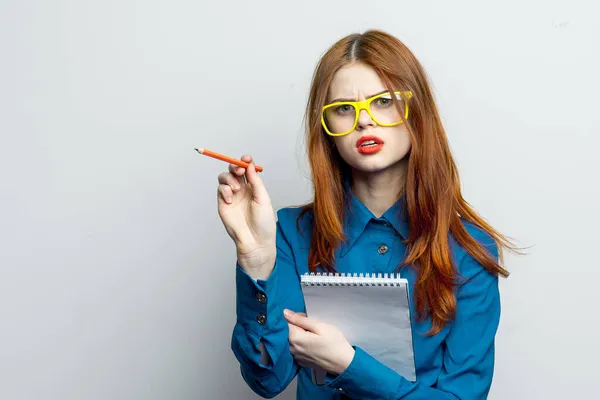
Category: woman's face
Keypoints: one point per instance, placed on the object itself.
(385, 146)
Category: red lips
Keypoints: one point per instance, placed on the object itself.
(372, 148)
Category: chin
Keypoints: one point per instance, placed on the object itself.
(372, 165)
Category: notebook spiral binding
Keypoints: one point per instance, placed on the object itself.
(355, 279)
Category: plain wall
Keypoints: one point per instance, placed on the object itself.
(116, 275)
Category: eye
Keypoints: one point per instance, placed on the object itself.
(344, 109)
(383, 101)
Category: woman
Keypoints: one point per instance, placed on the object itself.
(387, 199)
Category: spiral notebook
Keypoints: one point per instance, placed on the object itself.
(371, 310)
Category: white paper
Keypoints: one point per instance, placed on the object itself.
(374, 318)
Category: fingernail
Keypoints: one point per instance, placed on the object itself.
(287, 313)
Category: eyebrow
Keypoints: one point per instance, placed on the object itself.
(353, 99)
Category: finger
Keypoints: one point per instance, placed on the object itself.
(296, 348)
(226, 178)
(259, 192)
(225, 193)
(238, 173)
(295, 333)
(301, 321)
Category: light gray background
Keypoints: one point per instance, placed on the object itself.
(116, 276)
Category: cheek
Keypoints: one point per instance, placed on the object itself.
(346, 143)
(402, 143)
(341, 141)
(346, 147)
(398, 142)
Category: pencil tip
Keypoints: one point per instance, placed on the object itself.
(199, 150)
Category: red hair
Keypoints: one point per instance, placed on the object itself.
(432, 192)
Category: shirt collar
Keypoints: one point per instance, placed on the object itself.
(357, 216)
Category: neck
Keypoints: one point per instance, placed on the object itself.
(378, 191)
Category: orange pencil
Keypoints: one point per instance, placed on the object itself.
(221, 157)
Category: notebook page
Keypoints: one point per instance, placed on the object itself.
(374, 318)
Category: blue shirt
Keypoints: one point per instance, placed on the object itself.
(456, 363)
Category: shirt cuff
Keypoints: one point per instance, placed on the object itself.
(366, 377)
(256, 307)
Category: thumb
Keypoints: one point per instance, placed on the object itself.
(258, 188)
(301, 320)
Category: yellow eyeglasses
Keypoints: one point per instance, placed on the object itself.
(340, 118)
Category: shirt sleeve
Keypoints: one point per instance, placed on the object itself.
(260, 336)
(468, 361)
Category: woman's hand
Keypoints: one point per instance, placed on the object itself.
(314, 343)
(247, 214)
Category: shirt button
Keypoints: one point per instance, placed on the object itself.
(261, 298)
(382, 249)
(261, 319)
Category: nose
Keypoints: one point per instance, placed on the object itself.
(364, 121)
